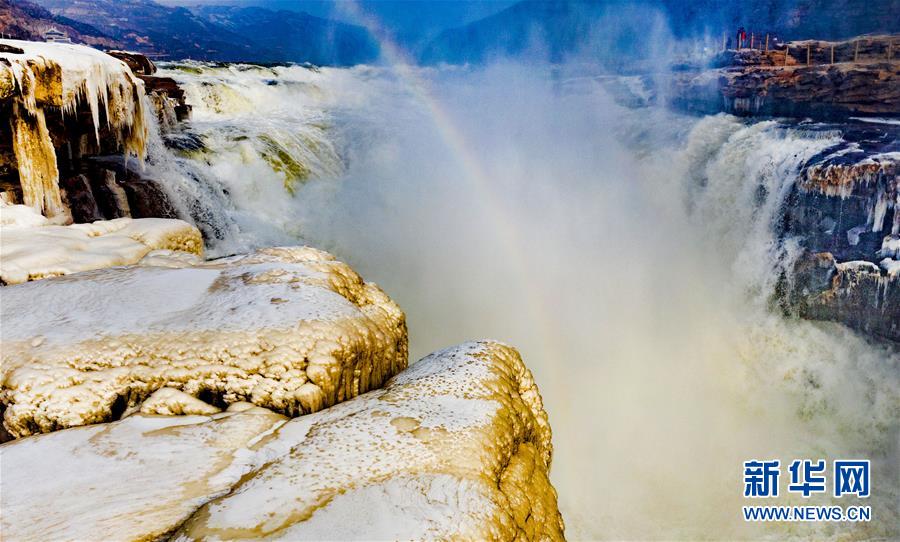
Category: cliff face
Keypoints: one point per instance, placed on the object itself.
(65, 82)
(843, 209)
(68, 105)
(862, 79)
(843, 212)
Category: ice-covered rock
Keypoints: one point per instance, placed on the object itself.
(290, 329)
(458, 446)
(32, 247)
(136, 479)
(56, 78)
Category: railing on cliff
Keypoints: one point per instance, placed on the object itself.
(773, 52)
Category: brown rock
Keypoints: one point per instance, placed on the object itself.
(80, 199)
(139, 64)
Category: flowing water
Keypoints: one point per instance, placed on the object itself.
(628, 253)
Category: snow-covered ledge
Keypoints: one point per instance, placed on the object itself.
(33, 247)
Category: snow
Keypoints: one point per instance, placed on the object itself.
(442, 451)
(134, 479)
(456, 447)
(67, 76)
(891, 267)
(290, 329)
(31, 247)
(890, 247)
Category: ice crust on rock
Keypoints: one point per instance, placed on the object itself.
(32, 247)
(136, 479)
(290, 329)
(65, 77)
(457, 446)
(172, 402)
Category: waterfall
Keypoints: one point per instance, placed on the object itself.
(629, 253)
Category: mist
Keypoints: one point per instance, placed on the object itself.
(627, 253)
(539, 212)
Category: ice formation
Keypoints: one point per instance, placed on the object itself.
(32, 247)
(64, 77)
(290, 329)
(458, 446)
(136, 479)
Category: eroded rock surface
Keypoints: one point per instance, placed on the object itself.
(74, 113)
(861, 78)
(290, 329)
(458, 446)
(843, 211)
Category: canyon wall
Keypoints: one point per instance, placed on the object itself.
(842, 209)
(823, 80)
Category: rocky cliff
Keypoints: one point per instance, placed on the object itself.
(844, 214)
(823, 80)
(843, 210)
(78, 131)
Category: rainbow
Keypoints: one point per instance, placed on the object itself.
(540, 310)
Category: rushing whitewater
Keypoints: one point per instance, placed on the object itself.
(630, 254)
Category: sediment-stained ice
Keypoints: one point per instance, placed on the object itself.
(289, 329)
(31, 247)
(63, 77)
(457, 446)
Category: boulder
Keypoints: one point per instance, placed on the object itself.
(79, 198)
(457, 446)
(137, 62)
(290, 329)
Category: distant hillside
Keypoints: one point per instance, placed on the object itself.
(282, 36)
(21, 19)
(221, 33)
(555, 29)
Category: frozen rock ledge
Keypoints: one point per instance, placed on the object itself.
(32, 247)
(458, 446)
(290, 329)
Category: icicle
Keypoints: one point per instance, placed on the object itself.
(69, 77)
(36, 160)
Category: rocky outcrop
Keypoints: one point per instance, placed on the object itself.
(65, 102)
(33, 248)
(69, 105)
(844, 212)
(860, 294)
(165, 94)
(289, 329)
(458, 446)
(862, 79)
